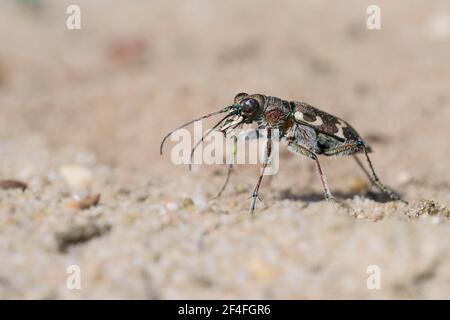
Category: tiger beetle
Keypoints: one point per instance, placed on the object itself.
(306, 130)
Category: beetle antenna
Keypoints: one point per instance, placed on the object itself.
(207, 134)
(190, 122)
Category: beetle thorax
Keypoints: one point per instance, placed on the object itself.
(275, 112)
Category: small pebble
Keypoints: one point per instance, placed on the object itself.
(76, 176)
(85, 203)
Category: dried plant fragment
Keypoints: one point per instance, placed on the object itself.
(12, 184)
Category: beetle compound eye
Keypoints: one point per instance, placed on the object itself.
(250, 106)
(239, 97)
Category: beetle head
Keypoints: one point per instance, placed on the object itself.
(246, 109)
(250, 107)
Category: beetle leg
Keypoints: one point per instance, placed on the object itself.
(229, 166)
(254, 195)
(255, 135)
(337, 203)
(361, 166)
(351, 149)
(342, 150)
(222, 189)
(299, 149)
(378, 183)
(323, 179)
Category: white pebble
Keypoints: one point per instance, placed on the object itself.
(76, 176)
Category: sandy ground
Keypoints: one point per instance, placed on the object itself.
(83, 112)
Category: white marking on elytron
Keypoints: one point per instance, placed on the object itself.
(340, 125)
(299, 116)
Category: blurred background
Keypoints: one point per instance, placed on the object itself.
(103, 97)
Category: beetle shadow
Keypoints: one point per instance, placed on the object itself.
(319, 196)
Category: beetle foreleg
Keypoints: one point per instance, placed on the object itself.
(266, 162)
(222, 189)
(229, 167)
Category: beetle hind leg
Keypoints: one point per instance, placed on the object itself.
(375, 180)
(357, 147)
